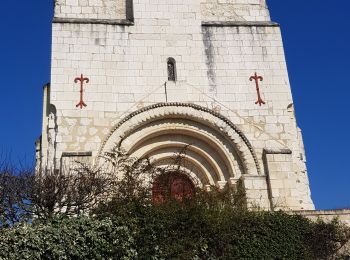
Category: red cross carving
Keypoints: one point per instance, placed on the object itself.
(81, 104)
(257, 78)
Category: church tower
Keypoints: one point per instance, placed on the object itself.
(155, 76)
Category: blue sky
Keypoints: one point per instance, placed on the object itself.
(316, 36)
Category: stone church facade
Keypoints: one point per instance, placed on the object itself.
(155, 76)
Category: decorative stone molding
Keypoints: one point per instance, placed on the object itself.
(239, 24)
(194, 112)
(204, 150)
(93, 21)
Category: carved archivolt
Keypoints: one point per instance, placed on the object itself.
(217, 151)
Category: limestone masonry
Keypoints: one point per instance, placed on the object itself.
(157, 75)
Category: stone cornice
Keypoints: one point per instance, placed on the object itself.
(239, 24)
(330, 212)
(93, 21)
(130, 22)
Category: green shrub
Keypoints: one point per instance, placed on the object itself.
(175, 231)
(63, 238)
(47, 218)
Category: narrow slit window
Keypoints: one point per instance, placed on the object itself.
(171, 69)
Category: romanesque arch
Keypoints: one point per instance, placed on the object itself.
(217, 151)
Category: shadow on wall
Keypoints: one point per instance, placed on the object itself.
(129, 10)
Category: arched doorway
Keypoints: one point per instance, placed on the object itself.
(172, 185)
(217, 152)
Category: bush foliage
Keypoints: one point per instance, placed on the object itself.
(174, 232)
(126, 224)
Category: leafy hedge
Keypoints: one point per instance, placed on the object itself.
(174, 232)
(92, 214)
(81, 238)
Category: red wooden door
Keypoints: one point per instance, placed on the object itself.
(172, 186)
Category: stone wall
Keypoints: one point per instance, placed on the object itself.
(327, 215)
(211, 10)
(126, 63)
(342, 215)
(282, 178)
(91, 9)
(234, 10)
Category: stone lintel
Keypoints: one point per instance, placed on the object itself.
(93, 21)
(239, 24)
